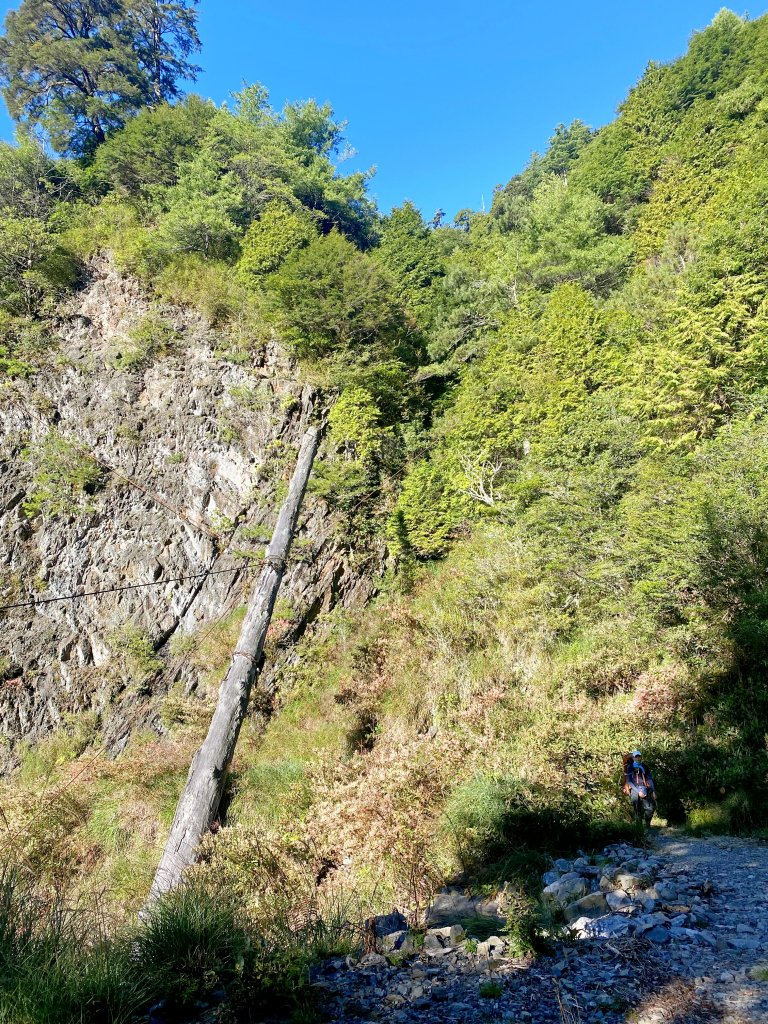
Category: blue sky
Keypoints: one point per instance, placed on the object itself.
(447, 99)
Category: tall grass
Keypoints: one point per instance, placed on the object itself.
(64, 962)
(58, 965)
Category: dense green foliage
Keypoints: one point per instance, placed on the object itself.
(80, 69)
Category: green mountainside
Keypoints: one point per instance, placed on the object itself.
(555, 417)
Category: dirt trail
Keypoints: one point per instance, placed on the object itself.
(738, 909)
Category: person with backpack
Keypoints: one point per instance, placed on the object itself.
(639, 786)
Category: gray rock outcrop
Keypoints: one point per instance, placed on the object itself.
(196, 441)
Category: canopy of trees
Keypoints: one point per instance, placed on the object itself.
(80, 68)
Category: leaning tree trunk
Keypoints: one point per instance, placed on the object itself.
(199, 801)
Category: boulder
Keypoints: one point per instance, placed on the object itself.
(565, 891)
(646, 922)
(609, 927)
(617, 900)
(398, 942)
(372, 960)
(491, 948)
(550, 876)
(593, 905)
(664, 891)
(583, 866)
(628, 881)
(648, 903)
(434, 946)
(451, 935)
(386, 924)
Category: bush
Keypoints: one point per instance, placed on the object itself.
(64, 477)
(211, 287)
(331, 297)
(150, 338)
(135, 651)
(271, 239)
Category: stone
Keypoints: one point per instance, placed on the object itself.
(386, 924)
(664, 891)
(451, 935)
(372, 960)
(613, 926)
(593, 905)
(657, 934)
(738, 942)
(618, 899)
(565, 891)
(492, 947)
(550, 876)
(398, 942)
(628, 881)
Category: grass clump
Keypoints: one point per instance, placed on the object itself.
(57, 964)
(192, 944)
(66, 962)
(490, 990)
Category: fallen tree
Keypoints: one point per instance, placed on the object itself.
(201, 796)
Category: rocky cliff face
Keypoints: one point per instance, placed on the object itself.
(199, 442)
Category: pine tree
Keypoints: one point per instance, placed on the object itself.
(79, 68)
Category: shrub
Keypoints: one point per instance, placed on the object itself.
(135, 650)
(270, 240)
(150, 338)
(331, 297)
(64, 477)
(207, 285)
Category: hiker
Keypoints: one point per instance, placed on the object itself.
(639, 785)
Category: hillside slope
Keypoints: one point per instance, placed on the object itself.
(545, 456)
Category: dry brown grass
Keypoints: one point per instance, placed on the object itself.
(677, 1003)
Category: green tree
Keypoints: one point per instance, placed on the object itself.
(272, 238)
(152, 147)
(79, 68)
(204, 211)
(331, 297)
(164, 36)
(409, 252)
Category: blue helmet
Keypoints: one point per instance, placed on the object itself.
(636, 754)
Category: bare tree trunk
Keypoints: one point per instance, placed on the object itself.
(199, 801)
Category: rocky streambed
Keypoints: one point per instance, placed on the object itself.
(677, 933)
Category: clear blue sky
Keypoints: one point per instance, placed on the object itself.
(446, 98)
